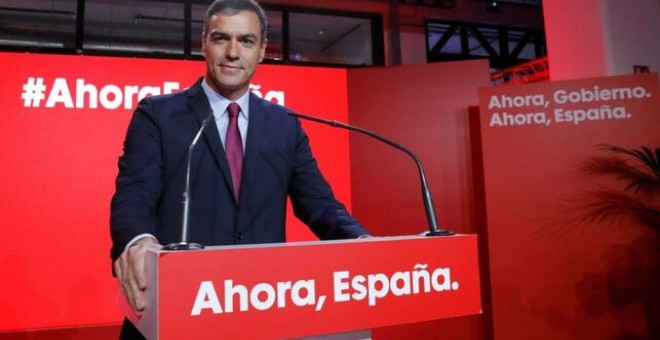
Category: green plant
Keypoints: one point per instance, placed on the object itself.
(639, 200)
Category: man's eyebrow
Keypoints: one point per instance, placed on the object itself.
(217, 33)
(241, 36)
(249, 35)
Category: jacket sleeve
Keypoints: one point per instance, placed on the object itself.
(139, 181)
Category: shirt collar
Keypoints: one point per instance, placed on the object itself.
(219, 103)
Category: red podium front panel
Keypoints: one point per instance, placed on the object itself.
(311, 288)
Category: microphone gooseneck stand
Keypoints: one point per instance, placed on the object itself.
(434, 230)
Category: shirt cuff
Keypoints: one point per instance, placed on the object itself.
(137, 238)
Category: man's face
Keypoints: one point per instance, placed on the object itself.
(232, 47)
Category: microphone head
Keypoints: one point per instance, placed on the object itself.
(183, 246)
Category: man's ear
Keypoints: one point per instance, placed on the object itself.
(262, 53)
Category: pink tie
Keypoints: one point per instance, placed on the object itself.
(234, 148)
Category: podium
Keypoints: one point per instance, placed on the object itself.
(289, 290)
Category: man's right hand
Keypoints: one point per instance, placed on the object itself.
(131, 275)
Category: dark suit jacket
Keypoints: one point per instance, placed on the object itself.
(278, 162)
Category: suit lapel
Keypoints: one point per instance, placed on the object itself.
(255, 137)
(199, 105)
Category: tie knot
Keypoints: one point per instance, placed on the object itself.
(233, 110)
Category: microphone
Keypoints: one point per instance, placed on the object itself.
(426, 192)
(184, 244)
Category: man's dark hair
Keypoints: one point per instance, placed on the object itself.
(232, 7)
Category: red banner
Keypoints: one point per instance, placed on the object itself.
(282, 291)
(63, 124)
(558, 265)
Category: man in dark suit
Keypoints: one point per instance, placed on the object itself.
(249, 159)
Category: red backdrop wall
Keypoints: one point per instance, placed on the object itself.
(424, 107)
(550, 278)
